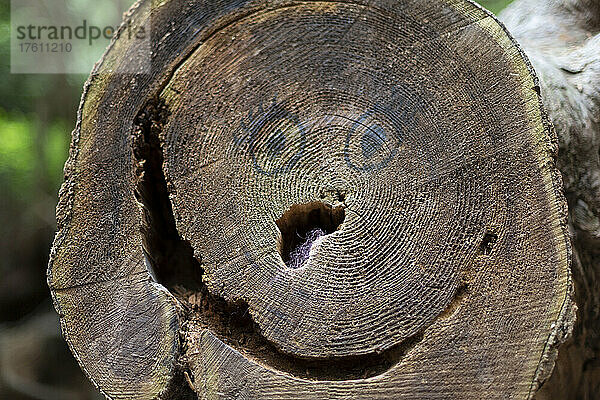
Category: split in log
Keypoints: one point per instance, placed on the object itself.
(314, 199)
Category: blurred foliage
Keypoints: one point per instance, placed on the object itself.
(494, 5)
(17, 154)
(37, 113)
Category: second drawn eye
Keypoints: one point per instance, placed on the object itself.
(372, 141)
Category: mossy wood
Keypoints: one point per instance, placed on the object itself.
(309, 200)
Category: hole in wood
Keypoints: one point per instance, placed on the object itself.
(488, 242)
(302, 225)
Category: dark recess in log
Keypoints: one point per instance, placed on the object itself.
(301, 225)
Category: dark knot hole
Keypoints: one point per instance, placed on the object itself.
(488, 241)
(302, 225)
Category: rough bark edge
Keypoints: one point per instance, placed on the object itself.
(64, 215)
(562, 328)
(562, 51)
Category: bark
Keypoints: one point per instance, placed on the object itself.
(562, 41)
(329, 200)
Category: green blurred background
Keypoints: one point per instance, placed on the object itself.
(37, 114)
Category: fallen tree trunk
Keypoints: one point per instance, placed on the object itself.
(316, 200)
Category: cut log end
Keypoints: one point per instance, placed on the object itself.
(315, 199)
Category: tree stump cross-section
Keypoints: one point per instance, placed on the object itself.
(316, 199)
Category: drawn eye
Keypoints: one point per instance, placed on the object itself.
(372, 142)
(276, 139)
(377, 135)
(276, 144)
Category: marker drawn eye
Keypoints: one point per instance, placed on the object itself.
(372, 141)
(275, 139)
(376, 136)
(368, 146)
(276, 144)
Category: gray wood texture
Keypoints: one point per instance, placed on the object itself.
(411, 134)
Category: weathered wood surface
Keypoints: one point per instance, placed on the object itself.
(405, 139)
(562, 41)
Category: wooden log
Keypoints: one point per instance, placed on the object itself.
(314, 200)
